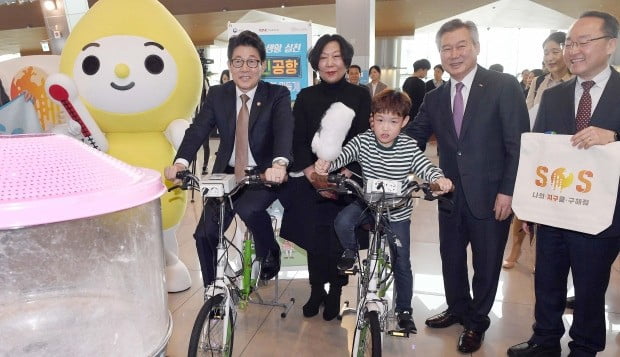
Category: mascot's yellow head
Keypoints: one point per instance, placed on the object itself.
(135, 67)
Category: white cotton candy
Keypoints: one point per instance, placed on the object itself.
(327, 141)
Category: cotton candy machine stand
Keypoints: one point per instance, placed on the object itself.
(81, 252)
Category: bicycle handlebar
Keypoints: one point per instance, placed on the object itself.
(191, 181)
(411, 186)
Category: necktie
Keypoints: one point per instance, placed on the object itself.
(584, 110)
(241, 138)
(458, 108)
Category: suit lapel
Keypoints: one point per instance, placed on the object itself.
(231, 108)
(446, 108)
(257, 104)
(608, 100)
(569, 113)
(478, 87)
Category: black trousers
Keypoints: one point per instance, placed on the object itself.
(309, 222)
(322, 265)
(458, 228)
(251, 205)
(590, 259)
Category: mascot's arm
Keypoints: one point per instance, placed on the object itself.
(62, 89)
(175, 132)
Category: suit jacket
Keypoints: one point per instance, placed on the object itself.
(484, 158)
(380, 86)
(270, 126)
(430, 85)
(557, 113)
(416, 90)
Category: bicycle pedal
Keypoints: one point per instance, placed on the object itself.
(351, 271)
(399, 333)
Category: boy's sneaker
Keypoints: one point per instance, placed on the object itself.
(405, 321)
(347, 260)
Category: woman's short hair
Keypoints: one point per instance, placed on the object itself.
(346, 50)
(557, 37)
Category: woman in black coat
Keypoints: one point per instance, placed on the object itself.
(309, 216)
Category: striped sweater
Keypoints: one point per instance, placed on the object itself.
(391, 163)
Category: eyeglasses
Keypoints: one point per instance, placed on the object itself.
(250, 62)
(568, 45)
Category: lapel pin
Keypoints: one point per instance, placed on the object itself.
(258, 104)
(480, 84)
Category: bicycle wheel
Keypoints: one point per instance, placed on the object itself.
(209, 329)
(369, 337)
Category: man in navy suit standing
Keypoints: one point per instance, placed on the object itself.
(586, 107)
(255, 123)
(478, 117)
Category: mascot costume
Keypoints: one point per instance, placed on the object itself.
(130, 78)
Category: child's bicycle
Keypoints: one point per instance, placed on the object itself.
(375, 275)
(214, 327)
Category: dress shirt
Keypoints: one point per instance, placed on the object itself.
(467, 82)
(600, 81)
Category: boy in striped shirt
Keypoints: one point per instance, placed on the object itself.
(384, 152)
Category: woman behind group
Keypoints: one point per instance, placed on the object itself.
(309, 216)
(558, 73)
(224, 77)
(375, 86)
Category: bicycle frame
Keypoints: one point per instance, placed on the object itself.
(225, 286)
(371, 296)
(375, 276)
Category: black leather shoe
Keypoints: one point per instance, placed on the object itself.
(570, 302)
(470, 341)
(443, 320)
(332, 303)
(317, 297)
(270, 266)
(527, 349)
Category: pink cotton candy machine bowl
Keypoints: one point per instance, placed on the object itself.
(81, 252)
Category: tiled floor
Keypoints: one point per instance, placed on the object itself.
(260, 330)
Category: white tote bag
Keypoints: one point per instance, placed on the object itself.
(561, 186)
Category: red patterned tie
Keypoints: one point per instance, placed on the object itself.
(584, 110)
(241, 139)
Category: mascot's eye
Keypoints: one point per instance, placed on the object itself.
(90, 65)
(154, 64)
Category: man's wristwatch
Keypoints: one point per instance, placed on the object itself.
(281, 162)
(616, 135)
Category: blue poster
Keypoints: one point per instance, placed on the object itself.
(287, 62)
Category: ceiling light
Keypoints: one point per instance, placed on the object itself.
(50, 5)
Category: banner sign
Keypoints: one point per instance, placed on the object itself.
(286, 44)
